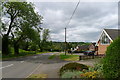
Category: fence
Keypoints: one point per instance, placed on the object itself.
(84, 57)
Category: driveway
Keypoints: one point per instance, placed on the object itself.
(37, 64)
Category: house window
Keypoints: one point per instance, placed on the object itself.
(104, 39)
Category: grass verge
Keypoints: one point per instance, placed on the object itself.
(66, 57)
(52, 56)
(22, 53)
(69, 57)
(38, 76)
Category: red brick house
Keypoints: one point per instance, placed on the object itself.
(107, 36)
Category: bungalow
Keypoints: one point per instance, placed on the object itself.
(92, 47)
(107, 36)
(82, 47)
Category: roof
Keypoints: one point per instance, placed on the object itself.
(113, 33)
(93, 44)
(83, 47)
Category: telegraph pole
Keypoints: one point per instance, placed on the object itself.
(65, 42)
(68, 24)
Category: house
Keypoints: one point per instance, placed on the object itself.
(92, 47)
(82, 47)
(106, 38)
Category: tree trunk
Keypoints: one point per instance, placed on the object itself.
(16, 48)
(5, 43)
(16, 45)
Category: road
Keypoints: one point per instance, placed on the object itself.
(37, 64)
(23, 67)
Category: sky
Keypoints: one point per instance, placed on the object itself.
(87, 23)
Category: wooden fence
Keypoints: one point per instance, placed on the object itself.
(84, 57)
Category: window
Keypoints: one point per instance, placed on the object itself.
(104, 39)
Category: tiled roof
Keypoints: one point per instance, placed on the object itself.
(84, 46)
(113, 33)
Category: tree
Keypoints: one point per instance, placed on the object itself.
(45, 35)
(44, 41)
(111, 62)
(23, 21)
(28, 35)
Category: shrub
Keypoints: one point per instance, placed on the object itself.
(89, 75)
(93, 72)
(71, 74)
(99, 68)
(111, 62)
(73, 67)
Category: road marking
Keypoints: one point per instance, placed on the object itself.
(33, 71)
(6, 66)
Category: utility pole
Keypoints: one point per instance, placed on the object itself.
(68, 24)
(65, 42)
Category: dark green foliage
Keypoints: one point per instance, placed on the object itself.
(23, 25)
(5, 48)
(73, 67)
(22, 53)
(111, 62)
(33, 47)
(44, 43)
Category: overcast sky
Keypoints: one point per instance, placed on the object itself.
(87, 23)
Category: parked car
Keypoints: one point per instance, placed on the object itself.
(89, 53)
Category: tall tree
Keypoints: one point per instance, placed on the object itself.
(44, 41)
(23, 21)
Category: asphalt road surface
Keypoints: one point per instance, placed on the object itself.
(23, 67)
(37, 64)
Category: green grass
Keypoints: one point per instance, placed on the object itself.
(25, 53)
(21, 54)
(69, 57)
(52, 56)
(66, 57)
(38, 76)
(42, 52)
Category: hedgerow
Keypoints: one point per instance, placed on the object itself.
(111, 62)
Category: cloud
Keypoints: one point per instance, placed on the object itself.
(87, 23)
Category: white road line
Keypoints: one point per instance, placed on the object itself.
(33, 71)
(6, 66)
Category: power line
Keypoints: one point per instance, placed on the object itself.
(73, 13)
(68, 24)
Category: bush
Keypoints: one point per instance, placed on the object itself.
(73, 67)
(99, 69)
(93, 72)
(90, 75)
(111, 62)
(71, 74)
